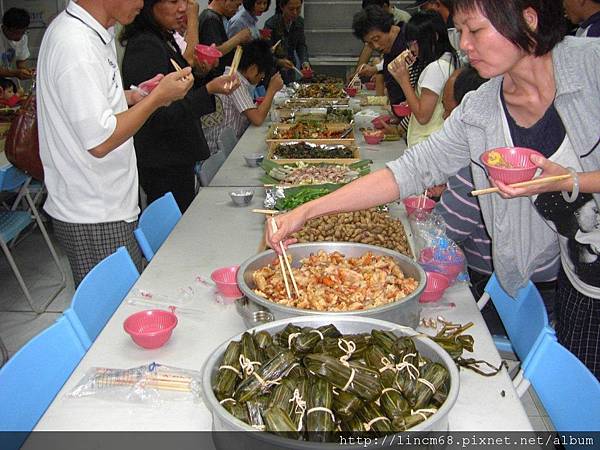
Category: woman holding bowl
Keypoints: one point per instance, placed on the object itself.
(535, 98)
(171, 141)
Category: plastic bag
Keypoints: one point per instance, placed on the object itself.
(152, 383)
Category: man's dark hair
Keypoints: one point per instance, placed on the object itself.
(257, 52)
(145, 21)
(507, 17)
(16, 19)
(372, 18)
(381, 3)
(466, 81)
(6, 83)
(249, 5)
(429, 30)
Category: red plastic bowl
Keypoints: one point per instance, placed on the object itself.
(207, 53)
(402, 109)
(373, 137)
(259, 100)
(265, 33)
(436, 285)
(224, 278)
(379, 121)
(151, 328)
(307, 73)
(448, 269)
(370, 85)
(519, 158)
(351, 91)
(420, 203)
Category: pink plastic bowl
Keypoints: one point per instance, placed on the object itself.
(401, 109)
(379, 121)
(448, 269)
(420, 203)
(351, 91)
(207, 53)
(259, 100)
(436, 285)
(224, 278)
(373, 137)
(518, 157)
(307, 73)
(265, 33)
(370, 85)
(151, 328)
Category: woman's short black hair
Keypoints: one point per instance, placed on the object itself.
(430, 32)
(257, 52)
(16, 19)
(372, 18)
(507, 17)
(144, 21)
(381, 3)
(6, 83)
(466, 81)
(249, 5)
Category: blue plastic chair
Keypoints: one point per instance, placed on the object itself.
(12, 224)
(30, 380)
(568, 390)
(156, 223)
(525, 319)
(100, 293)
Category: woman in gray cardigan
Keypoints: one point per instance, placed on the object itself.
(543, 93)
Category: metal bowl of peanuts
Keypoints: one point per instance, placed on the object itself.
(255, 309)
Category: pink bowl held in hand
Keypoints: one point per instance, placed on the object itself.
(259, 100)
(207, 53)
(224, 278)
(420, 203)
(351, 91)
(373, 137)
(518, 158)
(307, 73)
(265, 33)
(402, 109)
(436, 285)
(370, 85)
(151, 328)
(379, 121)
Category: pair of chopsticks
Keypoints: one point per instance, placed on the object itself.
(424, 197)
(177, 67)
(265, 211)
(283, 265)
(235, 63)
(356, 75)
(523, 184)
(275, 46)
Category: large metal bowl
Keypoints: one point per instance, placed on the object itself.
(255, 309)
(225, 422)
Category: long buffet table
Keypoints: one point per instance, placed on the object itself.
(215, 233)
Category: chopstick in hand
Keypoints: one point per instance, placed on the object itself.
(356, 75)
(178, 67)
(523, 184)
(285, 258)
(281, 264)
(234, 64)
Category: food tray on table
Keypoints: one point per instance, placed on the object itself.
(295, 103)
(320, 90)
(314, 151)
(303, 173)
(313, 131)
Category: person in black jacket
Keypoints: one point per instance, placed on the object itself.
(171, 142)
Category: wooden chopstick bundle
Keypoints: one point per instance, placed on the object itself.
(523, 184)
(234, 64)
(165, 380)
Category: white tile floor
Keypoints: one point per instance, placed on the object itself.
(18, 324)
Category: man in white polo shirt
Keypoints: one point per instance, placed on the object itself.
(86, 129)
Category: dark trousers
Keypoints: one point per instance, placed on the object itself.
(180, 180)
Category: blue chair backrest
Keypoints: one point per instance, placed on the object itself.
(30, 380)
(525, 317)
(568, 390)
(156, 223)
(11, 178)
(100, 293)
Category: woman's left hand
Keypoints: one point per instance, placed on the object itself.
(398, 68)
(224, 84)
(549, 169)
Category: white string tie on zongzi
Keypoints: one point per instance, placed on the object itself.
(225, 400)
(348, 348)
(247, 365)
(387, 365)
(422, 412)
(234, 369)
(390, 389)
(290, 337)
(300, 406)
(321, 408)
(427, 383)
(375, 420)
(350, 379)
(318, 332)
(408, 366)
